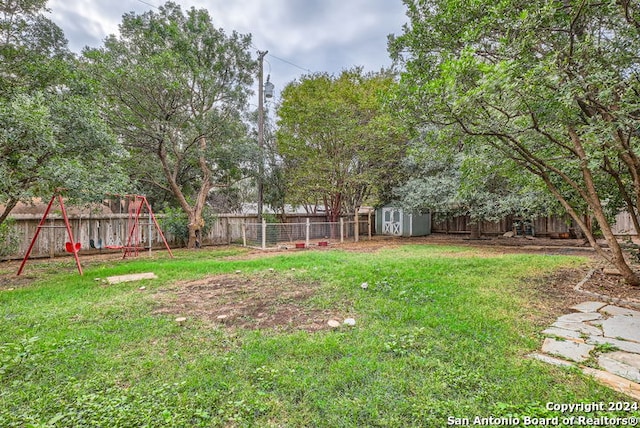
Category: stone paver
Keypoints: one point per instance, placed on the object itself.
(617, 310)
(589, 306)
(575, 337)
(562, 332)
(130, 277)
(615, 382)
(586, 329)
(622, 345)
(551, 360)
(567, 349)
(622, 364)
(622, 327)
(580, 317)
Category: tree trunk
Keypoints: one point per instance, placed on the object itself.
(593, 200)
(196, 223)
(194, 213)
(11, 204)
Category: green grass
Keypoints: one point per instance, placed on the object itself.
(441, 332)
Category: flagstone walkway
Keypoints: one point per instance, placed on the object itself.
(601, 335)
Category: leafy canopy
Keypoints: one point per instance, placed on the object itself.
(52, 136)
(339, 145)
(174, 88)
(550, 85)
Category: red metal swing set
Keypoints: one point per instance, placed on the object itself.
(137, 206)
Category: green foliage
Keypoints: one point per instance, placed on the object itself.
(174, 88)
(9, 238)
(14, 355)
(176, 223)
(481, 185)
(551, 87)
(52, 136)
(340, 148)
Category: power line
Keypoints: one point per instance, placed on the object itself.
(148, 4)
(284, 60)
(290, 63)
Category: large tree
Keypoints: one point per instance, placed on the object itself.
(339, 146)
(52, 137)
(480, 184)
(175, 87)
(551, 85)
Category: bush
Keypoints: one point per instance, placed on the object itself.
(9, 239)
(176, 223)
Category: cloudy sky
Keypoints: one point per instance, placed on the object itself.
(301, 36)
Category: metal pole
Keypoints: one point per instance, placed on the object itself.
(70, 233)
(35, 236)
(150, 232)
(261, 55)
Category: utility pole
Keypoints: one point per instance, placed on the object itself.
(261, 55)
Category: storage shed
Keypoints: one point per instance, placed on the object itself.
(395, 221)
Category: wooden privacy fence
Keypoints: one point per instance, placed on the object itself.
(111, 230)
(542, 226)
(97, 232)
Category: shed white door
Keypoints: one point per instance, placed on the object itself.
(392, 221)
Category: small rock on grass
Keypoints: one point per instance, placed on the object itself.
(333, 323)
(364, 285)
(350, 321)
(181, 320)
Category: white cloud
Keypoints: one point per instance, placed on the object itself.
(319, 35)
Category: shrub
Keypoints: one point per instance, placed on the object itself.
(9, 239)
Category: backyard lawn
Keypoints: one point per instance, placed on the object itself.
(441, 332)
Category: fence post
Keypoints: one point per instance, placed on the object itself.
(356, 228)
(369, 224)
(264, 234)
(341, 230)
(52, 239)
(244, 233)
(306, 241)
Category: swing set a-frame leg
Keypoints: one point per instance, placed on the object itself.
(41, 225)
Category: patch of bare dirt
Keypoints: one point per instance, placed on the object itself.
(555, 293)
(613, 288)
(273, 301)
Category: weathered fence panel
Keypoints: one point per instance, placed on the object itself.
(541, 226)
(98, 232)
(105, 232)
(624, 225)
